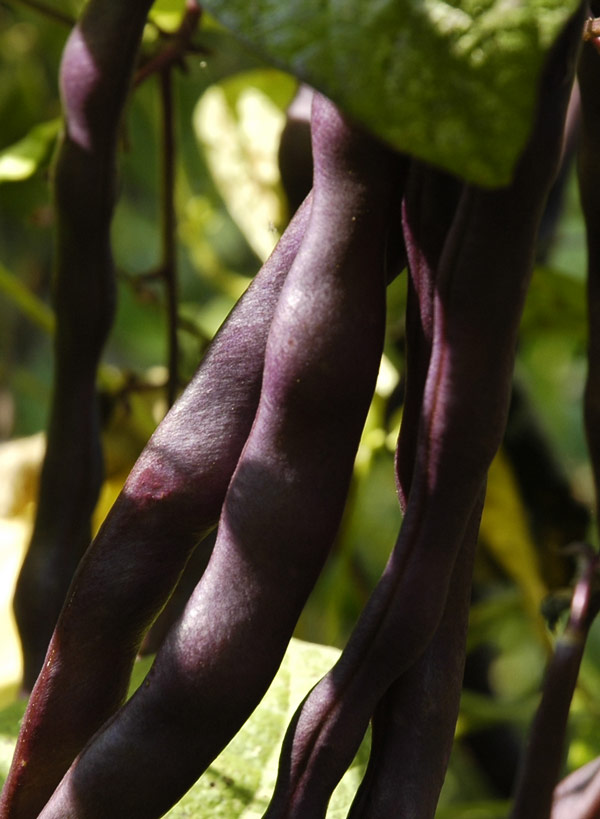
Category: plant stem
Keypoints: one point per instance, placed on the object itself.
(168, 228)
(177, 46)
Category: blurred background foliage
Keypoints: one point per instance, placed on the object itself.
(231, 207)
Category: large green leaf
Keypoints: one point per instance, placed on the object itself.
(451, 82)
(240, 781)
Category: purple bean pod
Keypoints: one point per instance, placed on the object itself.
(544, 755)
(95, 77)
(578, 795)
(428, 209)
(414, 722)
(588, 161)
(172, 498)
(282, 508)
(479, 292)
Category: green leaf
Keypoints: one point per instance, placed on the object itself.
(239, 124)
(22, 159)
(240, 781)
(556, 305)
(167, 13)
(168, 6)
(452, 83)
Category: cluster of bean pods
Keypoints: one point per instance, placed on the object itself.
(578, 796)
(261, 445)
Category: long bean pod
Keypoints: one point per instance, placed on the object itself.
(588, 162)
(172, 498)
(480, 289)
(578, 796)
(428, 210)
(545, 750)
(283, 505)
(95, 77)
(413, 724)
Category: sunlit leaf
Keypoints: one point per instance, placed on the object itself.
(453, 83)
(240, 781)
(167, 14)
(14, 537)
(239, 128)
(22, 159)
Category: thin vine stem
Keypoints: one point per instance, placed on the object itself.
(178, 45)
(168, 266)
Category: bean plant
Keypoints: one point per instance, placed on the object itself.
(255, 456)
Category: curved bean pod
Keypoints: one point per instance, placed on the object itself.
(95, 77)
(578, 795)
(588, 162)
(482, 280)
(171, 499)
(428, 210)
(283, 505)
(544, 755)
(413, 724)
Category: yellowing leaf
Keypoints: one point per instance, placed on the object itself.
(505, 533)
(20, 464)
(240, 133)
(14, 537)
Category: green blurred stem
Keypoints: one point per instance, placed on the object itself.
(41, 315)
(49, 12)
(27, 302)
(168, 265)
